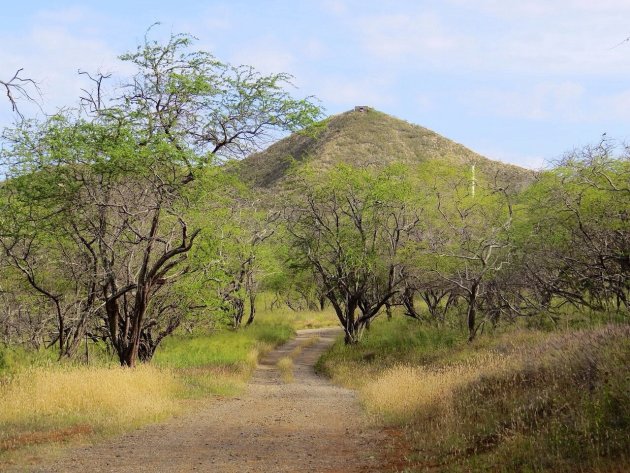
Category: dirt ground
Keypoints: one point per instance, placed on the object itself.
(307, 425)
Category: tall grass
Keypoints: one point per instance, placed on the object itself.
(237, 349)
(303, 319)
(403, 391)
(43, 401)
(37, 404)
(387, 344)
(285, 365)
(519, 401)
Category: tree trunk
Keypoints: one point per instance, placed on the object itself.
(130, 354)
(388, 311)
(252, 308)
(472, 311)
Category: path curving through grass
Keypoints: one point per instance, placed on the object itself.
(306, 425)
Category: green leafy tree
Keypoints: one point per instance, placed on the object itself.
(576, 240)
(348, 226)
(471, 240)
(116, 181)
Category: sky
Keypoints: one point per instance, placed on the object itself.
(520, 81)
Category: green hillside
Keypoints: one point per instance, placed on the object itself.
(363, 139)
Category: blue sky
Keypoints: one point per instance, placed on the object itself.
(519, 81)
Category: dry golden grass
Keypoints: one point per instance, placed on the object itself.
(519, 401)
(44, 403)
(285, 365)
(309, 342)
(106, 399)
(400, 392)
(304, 319)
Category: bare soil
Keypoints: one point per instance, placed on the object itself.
(307, 425)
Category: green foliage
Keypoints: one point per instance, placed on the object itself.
(102, 205)
(226, 348)
(347, 227)
(575, 231)
(389, 343)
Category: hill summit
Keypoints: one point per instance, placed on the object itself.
(360, 137)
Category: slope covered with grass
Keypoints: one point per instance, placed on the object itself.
(362, 139)
(521, 401)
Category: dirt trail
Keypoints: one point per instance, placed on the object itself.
(308, 425)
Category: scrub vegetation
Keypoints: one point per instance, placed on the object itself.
(144, 264)
(520, 400)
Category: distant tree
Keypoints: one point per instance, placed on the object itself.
(577, 240)
(471, 242)
(233, 256)
(349, 226)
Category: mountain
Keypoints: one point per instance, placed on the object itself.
(364, 138)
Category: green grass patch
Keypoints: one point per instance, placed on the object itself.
(220, 363)
(225, 348)
(283, 315)
(389, 343)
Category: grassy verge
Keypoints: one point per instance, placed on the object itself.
(285, 365)
(523, 400)
(303, 319)
(44, 402)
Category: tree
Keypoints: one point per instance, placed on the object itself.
(471, 242)
(118, 179)
(348, 226)
(577, 238)
(232, 257)
(18, 87)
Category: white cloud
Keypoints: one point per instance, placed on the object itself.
(542, 101)
(401, 37)
(614, 106)
(337, 7)
(52, 51)
(543, 37)
(529, 161)
(341, 92)
(537, 8)
(424, 102)
(267, 56)
(567, 102)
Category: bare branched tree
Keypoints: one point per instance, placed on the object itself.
(18, 87)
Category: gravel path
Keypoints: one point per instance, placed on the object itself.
(308, 425)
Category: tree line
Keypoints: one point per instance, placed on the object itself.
(103, 204)
(122, 220)
(507, 249)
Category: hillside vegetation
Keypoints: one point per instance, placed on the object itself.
(130, 235)
(363, 139)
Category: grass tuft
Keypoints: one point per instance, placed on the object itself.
(285, 365)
